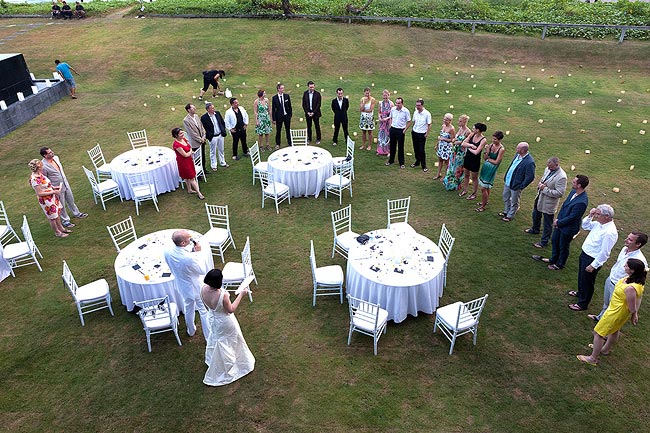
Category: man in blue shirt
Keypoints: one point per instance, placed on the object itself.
(64, 70)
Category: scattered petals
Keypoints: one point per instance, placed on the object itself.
(158, 96)
(469, 96)
(624, 141)
(421, 78)
(447, 82)
(508, 110)
(395, 92)
(173, 109)
(555, 85)
(542, 69)
(583, 102)
(446, 91)
(417, 87)
(297, 85)
(451, 106)
(166, 84)
(615, 189)
(522, 66)
(471, 66)
(557, 96)
(528, 79)
(531, 102)
(372, 85)
(244, 83)
(642, 132)
(487, 119)
(322, 90)
(532, 88)
(619, 100)
(500, 80)
(540, 121)
(340, 78)
(645, 121)
(568, 75)
(631, 167)
(456, 72)
(573, 111)
(573, 167)
(618, 124)
(354, 133)
(471, 76)
(474, 86)
(587, 151)
(610, 111)
(410, 65)
(582, 131)
(195, 80)
(538, 139)
(622, 92)
(301, 119)
(145, 104)
(508, 132)
(512, 90)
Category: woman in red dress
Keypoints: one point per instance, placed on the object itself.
(185, 162)
(48, 198)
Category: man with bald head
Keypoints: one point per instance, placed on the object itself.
(519, 175)
(188, 267)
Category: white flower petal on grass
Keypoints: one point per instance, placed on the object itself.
(593, 82)
(471, 76)
(583, 102)
(173, 109)
(528, 79)
(503, 72)
(417, 87)
(225, 106)
(500, 80)
(538, 139)
(193, 96)
(505, 62)
(622, 92)
(297, 85)
(522, 66)
(582, 131)
(244, 83)
(166, 84)
(456, 58)
(591, 93)
(469, 96)
(557, 96)
(508, 110)
(374, 140)
(446, 91)
(473, 86)
(340, 78)
(447, 82)
(610, 111)
(195, 80)
(540, 121)
(487, 119)
(512, 90)
(619, 100)
(471, 66)
(145, 104)
(332, 126)
(555, 85)
(322, 90)
(573, 111)
(587, 151)
(531, 102)
(618, 124)
(645, 121)
(410, 65)
(568, 75)
(508, 132)
(456, 72)
(624, 141)
(615, 189)
(451, 107)
(532, 88)
(354, 133)
(395, 92)
(435, 164)
(421, 78)
(372, 85)
(573, 167)
(618, 70)
(631, 167)
(642, 132)
(301, 119)
(158, 96)
(542, 69)
(409, 154)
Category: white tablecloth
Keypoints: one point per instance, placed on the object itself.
(148, 252)
(159, 161)
(417, 289)
(5, 270)
(303, 169)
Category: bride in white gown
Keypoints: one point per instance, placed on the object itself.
(226, 354)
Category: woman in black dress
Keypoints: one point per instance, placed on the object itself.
(473, 144)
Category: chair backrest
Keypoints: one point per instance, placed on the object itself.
(312, 260)
(4, 219)
(122, 233)
(246, 259)
(218, 216)
(349, 144)
(97, 156)
(91, 179)
(398, 210)
(197, 157)
(138, 138)
(363, 310)
(346, 169)
(469, 312)
(27, 233)
(298, 137)
(254, 151)
(342, 220)
(266, 179)
(156, 309)
(446, 242)
(69, 281)
(141, 185)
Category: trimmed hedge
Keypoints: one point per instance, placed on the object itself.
(622, 12)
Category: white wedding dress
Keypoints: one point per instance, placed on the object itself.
(227, 354)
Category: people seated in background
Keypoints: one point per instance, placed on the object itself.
(56, 10)
(66, 11)
(79, 11)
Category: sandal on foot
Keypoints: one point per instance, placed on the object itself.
(368, 148)
(585, 359)
(425, 170)
(593, 317)
(572, 293)
(471, 197)
(575, 307)
(480, 209)
(554, 267)
(61, 235)
(387, 163)
(462, 193)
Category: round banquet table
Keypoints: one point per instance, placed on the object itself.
(303, 169)
(371, 272)
(148, 253)
(159, 161)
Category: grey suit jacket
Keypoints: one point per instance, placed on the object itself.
(549, 197)
(56, 177)
(195, 130)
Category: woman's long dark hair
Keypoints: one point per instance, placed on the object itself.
(639, 273)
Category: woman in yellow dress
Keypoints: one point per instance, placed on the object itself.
(623, 307)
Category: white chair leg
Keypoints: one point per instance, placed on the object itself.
(81, 316)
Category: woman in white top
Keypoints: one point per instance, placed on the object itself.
(367, 121)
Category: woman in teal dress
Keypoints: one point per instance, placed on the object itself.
(455, 174)
(262, 119)
(492, 156)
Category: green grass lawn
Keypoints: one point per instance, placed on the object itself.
(522, 376)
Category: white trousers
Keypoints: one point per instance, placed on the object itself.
(216, 148)
(192, 305)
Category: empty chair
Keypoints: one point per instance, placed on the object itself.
(328, 280)
(398, 214)
(197, 157)
(102, 169)
(138, 139)
(343, 234)
(367, 318)
(158, 315)
(459, 318)
(19, 254)
(445, 243)
(234, 273)
(349, 155)
(219, 235)
(259, 166)
(277, 191)
(90, 297)
(122, 233)
(298, 137)
(142, 189)
(105, 190)
(7, 233)
(336, 183)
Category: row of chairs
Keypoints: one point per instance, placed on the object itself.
(17, 253)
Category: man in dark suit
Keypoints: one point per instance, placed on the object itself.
(311, 101)
(340, 107)
(215, 131)
(281, 115)
(567, 223)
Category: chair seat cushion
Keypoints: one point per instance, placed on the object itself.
(329, 275)
(366, 321)
(280, 188)
(143, 191)
(337, 180)
(402, 227)
(233, 272)
(106, 185)
(104, 168)
(346, 239)
(216, 236)
(12, 251)
(449, 314)
(162, 319)
(95, 290)
(262, 166)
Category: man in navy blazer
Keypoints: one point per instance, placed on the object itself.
(281, 115)
(215, 131)
(340, 107)
(519, 175)
(567, 223)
